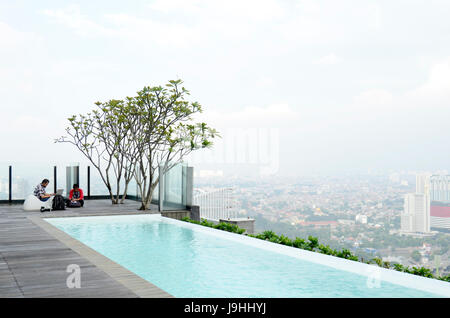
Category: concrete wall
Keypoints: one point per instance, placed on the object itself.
(177, 215)
(247, 224)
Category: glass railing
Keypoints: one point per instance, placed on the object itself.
(4, 181)
(97, 186)
(173, 188)
(25, 177)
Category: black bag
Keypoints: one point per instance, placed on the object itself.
(58, 203)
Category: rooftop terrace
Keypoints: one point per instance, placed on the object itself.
(34, 257)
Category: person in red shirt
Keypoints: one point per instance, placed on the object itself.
(76, 194)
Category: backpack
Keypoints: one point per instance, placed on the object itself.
(58, 203)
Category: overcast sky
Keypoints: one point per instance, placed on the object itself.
(344, 85)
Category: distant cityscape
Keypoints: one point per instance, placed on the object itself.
(365, 213)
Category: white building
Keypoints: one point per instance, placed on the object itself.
(423, 183)
(360, 218)
(416, 213)
(440, 188)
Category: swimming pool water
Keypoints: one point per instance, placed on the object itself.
(189, 263)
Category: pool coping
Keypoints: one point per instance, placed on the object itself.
(141, 287)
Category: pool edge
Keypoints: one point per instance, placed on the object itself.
(430, 285)
(141, 287)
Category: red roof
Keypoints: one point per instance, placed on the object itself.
(440, 211)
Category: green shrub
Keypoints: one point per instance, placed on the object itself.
(399, 267)
(422, 271)
(229, 227)
(285, 240)
(206, 223)
(313, 243)
(445, 278)
(274, 239)
(345, 253)
(326, 250)
(377, 261)
(269, 235)
(299, 243)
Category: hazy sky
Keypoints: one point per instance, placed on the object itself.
(344, 85)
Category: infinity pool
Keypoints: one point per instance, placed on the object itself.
(188, 260)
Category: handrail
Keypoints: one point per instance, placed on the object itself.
(217, 204)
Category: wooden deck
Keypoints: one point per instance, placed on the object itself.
(34, 257)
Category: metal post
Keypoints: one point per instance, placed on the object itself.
(161, 188)
(54, 179)
(189, 185)
(183, 185)
(77, 174)
(89, 182)
(10, 185)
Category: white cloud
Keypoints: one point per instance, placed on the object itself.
(184, 23)
(432, 95)
(436, 90)
(153, 32)
(275, 115)
(10, 37)
(231, 10)
(72, 17)
(374, 97)
(329, 59)
(363, 110)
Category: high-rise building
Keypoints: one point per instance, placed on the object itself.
(416, 214)
(440, 202)
(440, 188)
(423, 183)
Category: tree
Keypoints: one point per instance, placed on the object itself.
(134, 137)
(163, 133)
(103, 136)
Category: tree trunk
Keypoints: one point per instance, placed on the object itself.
(113, 200)
(124, 195)
(147, 199)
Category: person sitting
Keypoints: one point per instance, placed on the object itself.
(75, 195)
(39, 191)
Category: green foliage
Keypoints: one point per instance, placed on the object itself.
(399, 267)
(422, 271)
(345, 253)
(445, 278)
(285, 240)
(299, 243)
(312, 244)
(269, 235)
(326, 250)
(224, 226)
(377, 261)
